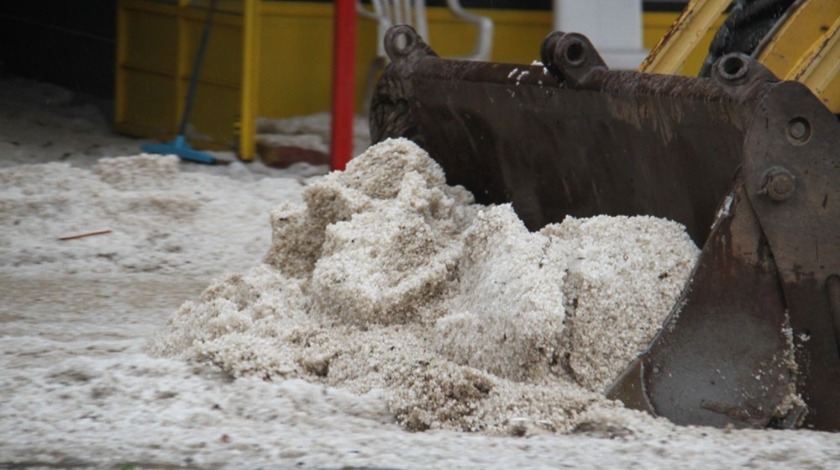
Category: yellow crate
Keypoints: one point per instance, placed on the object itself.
(281, 48)
(157, 33)
(151, 103)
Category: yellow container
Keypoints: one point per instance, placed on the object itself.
(270, 59)
(263, 58)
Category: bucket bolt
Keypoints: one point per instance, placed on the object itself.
(733, 67)
(798, 130)
(575, 53)
(779, 184)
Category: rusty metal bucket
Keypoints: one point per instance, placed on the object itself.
(749, 164)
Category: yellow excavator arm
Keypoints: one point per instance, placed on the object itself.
(803, 45)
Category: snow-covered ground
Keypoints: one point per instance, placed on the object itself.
(237, 317)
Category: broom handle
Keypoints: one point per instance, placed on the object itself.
(199, 60)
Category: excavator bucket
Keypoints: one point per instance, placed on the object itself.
(748, 163)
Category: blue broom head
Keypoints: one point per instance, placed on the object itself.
(179, 147)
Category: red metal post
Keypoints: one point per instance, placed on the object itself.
(344, 75)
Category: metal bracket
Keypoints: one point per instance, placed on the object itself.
(792, 173)
(390, 112)
(743, 77)
(570, 57)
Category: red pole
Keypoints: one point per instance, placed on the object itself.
(344, 75)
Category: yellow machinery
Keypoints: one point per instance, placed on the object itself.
(805, 46)
(747, 157)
